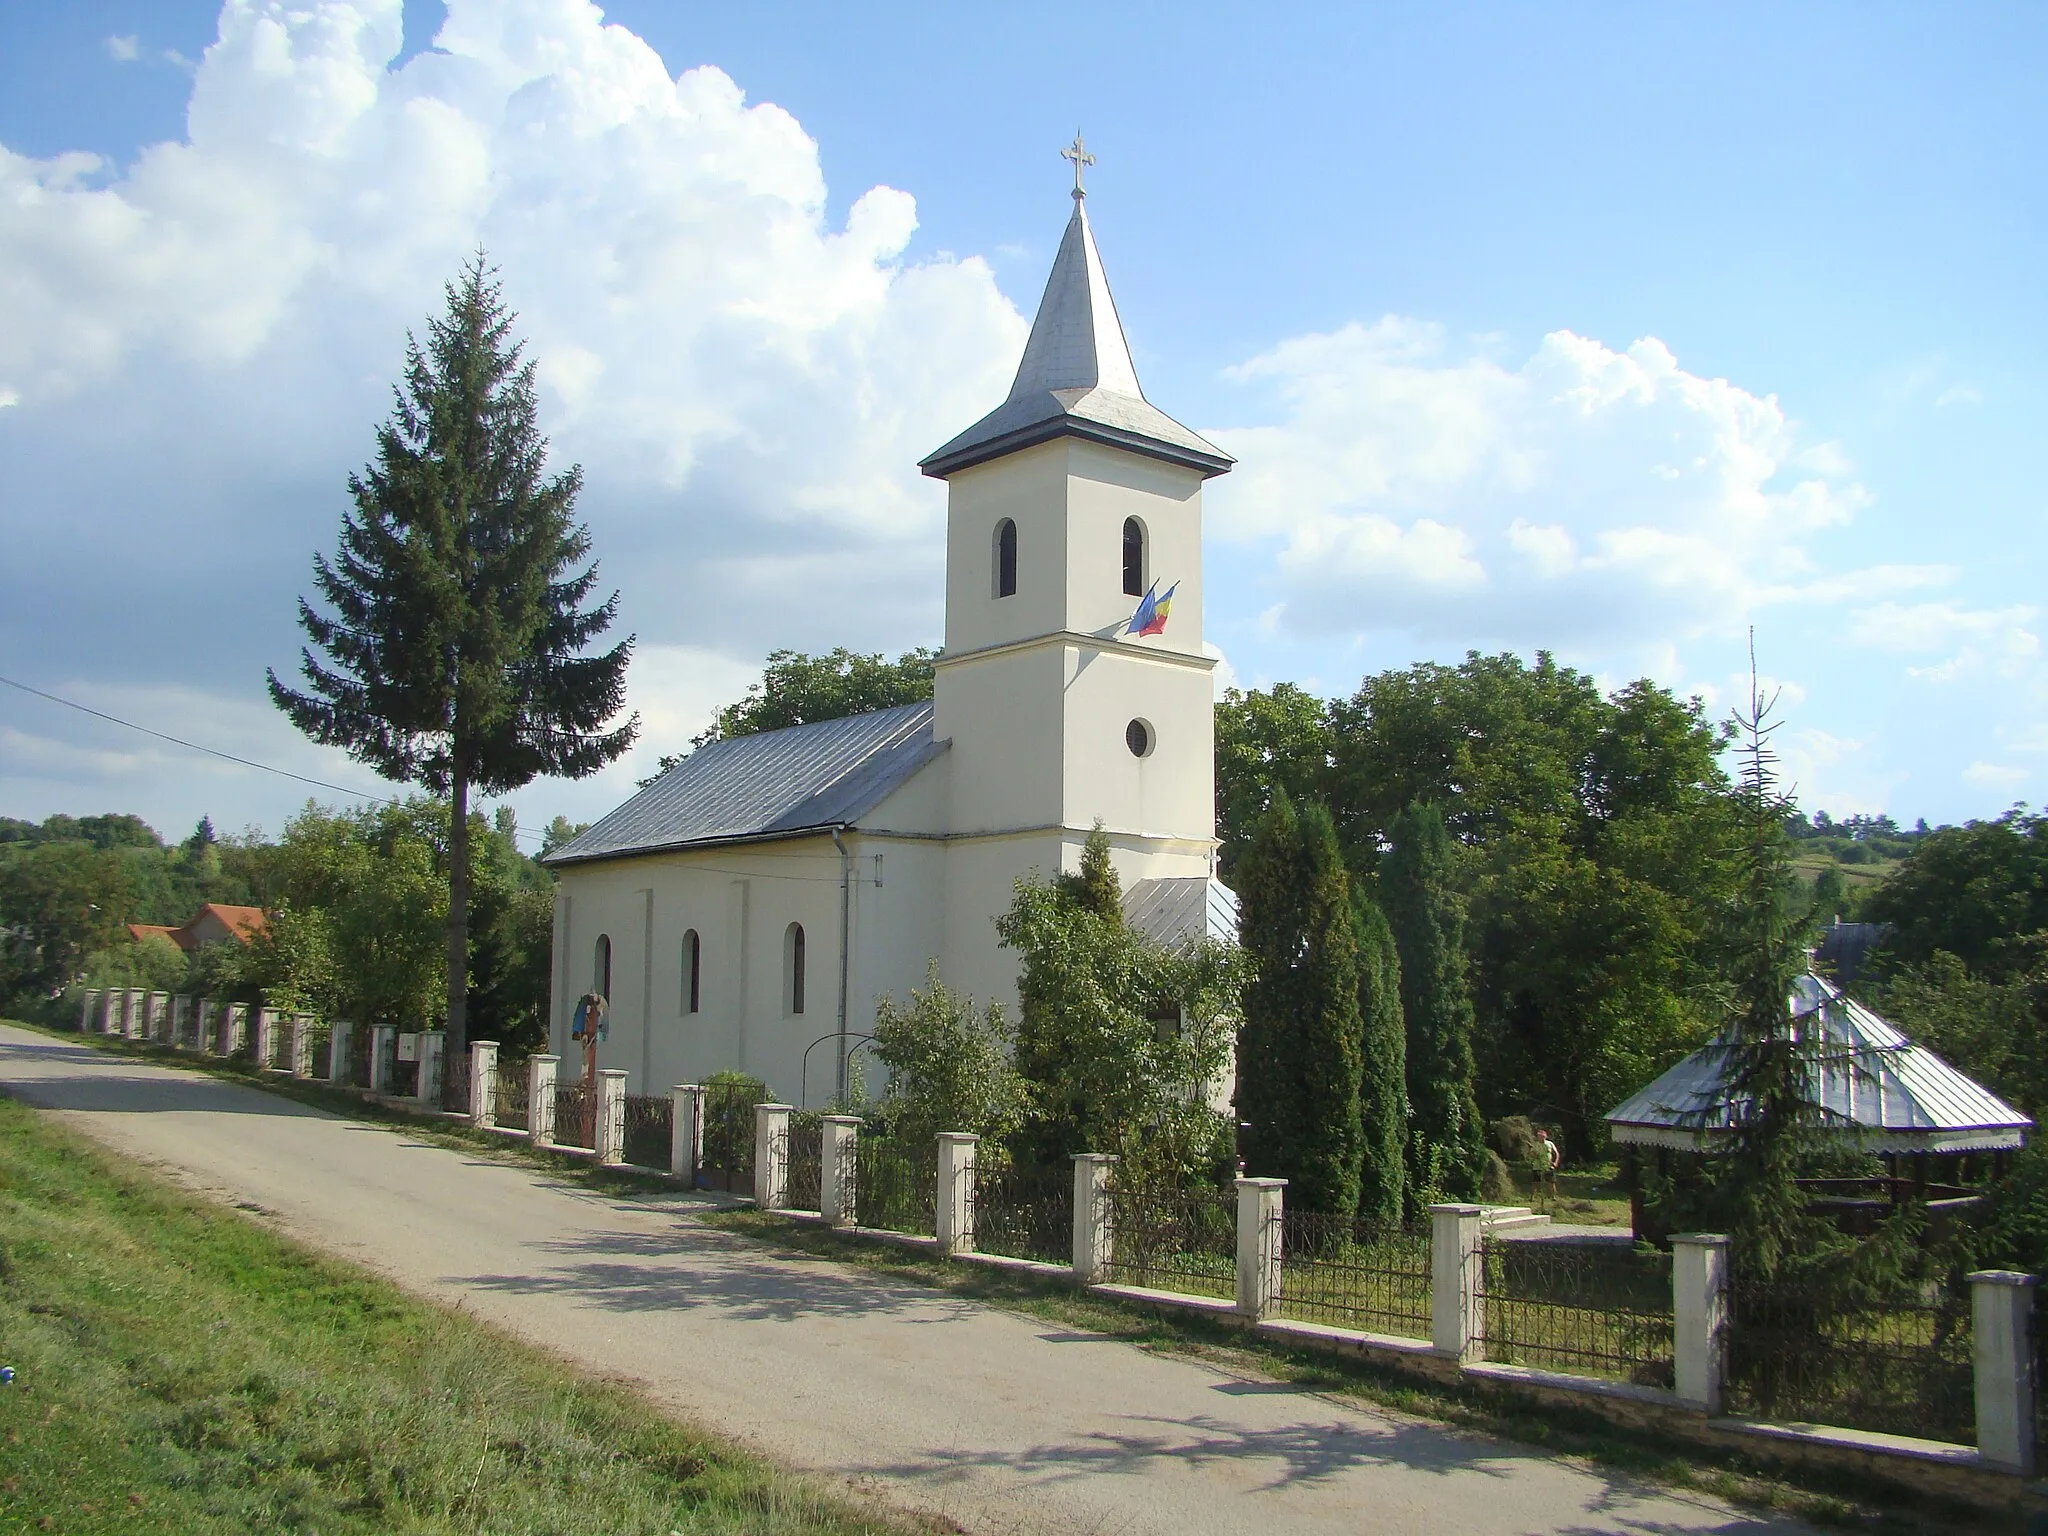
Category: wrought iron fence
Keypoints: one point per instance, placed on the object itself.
(358, 1056)
(804, 1150)
(455, 1085)
(1348, 1273)
(319, 1049)
(650, 1129)
(896, 1184)
(1025, 1211)
(1587, 1308)
(512, 1109)
(1173, 1238)
(728, 1161)
(575, 1114)
(1899, 1364)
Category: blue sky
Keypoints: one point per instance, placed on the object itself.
(1608, 330)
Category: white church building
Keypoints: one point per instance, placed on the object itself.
(748, 909)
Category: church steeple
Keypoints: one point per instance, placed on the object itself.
(1076, 378)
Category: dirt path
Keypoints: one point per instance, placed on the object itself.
(998, 1421)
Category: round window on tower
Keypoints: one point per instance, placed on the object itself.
(1139, 738)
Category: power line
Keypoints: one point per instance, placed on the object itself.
(193, 746)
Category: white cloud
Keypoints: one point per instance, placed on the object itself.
(1583, 495)
(1958, 394)
(210, 334)
(1995, 775)
(1842, 775)
(1997, 639)
(124, 49)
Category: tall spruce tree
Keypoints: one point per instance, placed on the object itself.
(1383, 1078)
(1447, 1147)
(454, 649)
(1300, 1048)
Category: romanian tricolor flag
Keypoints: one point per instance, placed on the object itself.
(1150, 619)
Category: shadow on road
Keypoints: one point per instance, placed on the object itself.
(640, 1272)
(45, 1074)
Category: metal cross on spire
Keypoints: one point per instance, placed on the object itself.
(1078, 153)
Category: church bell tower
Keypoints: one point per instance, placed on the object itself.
(1073, 685)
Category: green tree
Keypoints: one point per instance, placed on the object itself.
(1095, 887)
(950, 1067)
(1383, 1067)
(1120, 1040)
(458, 628)
(1300, 1050)
(1978, 892)
(153, 963)
(1278, 739)
(59, 901)
(1448, 1146)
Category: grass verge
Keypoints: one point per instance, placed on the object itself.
(180, 1368)
(1835, 1501)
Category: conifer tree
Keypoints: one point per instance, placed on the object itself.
(1447, 1148)
(1383, 1079)
(1299, 1051)
(1096, 888)
(453, 652)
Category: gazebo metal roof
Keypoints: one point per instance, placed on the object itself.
(1870, 1082)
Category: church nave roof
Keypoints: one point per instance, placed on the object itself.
(804, 778)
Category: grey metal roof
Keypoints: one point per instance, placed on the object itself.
(1076, 378)
(1175, 909)
(771, 784)
(1867, 1078)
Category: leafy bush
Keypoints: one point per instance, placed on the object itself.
(950, 1067)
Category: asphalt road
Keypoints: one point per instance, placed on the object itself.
(998, 1421)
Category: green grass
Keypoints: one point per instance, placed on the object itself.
(1838, 1500)
(180, 1368)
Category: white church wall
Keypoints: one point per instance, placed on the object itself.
(1005, 716)
(741, 901)
(898, 929)
(1030, 489)
(1104, 486)
(1169, 792)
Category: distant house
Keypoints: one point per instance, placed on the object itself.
(214, 923)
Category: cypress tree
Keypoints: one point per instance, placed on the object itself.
(454, 647)
(1383, 1080)
(1300, 1047)
(1447, 1150)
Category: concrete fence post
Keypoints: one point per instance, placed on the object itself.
(300, 1050)
(1457, 1314)
(145, 1027)
(686, 1132)
(839, 1170)
(771, 1156)
(383, 1045)
(953, 1212)
(204, 1010)
(432, 1044)
(1094, 1237)
(2002, 1340)
(130, 1006)
(1259, 1203)
(483, 1082)
(608, 1138)
(540, 1098)
(1699, 1314)
(181, 1005)
(234, 1029)
(88, 1007)
(266, 1039)
(164, 1028)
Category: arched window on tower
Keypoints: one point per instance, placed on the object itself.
(1134, 558)
(793, 968)
(601, 967)
(693, 971)
(1006, 558)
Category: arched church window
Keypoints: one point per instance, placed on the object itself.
(1134, 558)
(1006, 558)
(793, 967)
(1138, 737)
(601, 967)
(693, 971)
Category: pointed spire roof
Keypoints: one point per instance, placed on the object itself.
(1076, 379)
